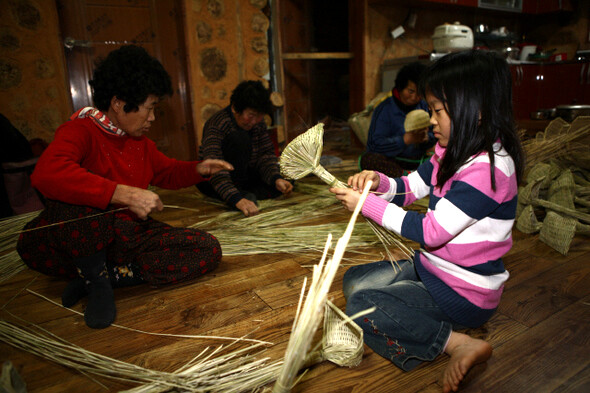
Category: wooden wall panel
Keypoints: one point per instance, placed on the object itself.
(34, 93)
(225, 45)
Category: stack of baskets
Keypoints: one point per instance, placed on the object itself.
(555, 202)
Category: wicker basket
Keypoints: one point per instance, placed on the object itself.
(563, 190)
(558, 231)
(527, 221)
(342, 340)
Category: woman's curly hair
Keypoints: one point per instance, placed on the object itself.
(130, 74)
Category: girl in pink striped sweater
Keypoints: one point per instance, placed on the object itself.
(456, 278)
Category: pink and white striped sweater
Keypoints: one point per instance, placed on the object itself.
(464, 234)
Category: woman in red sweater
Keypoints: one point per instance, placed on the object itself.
(99, 162)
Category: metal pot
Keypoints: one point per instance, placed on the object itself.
(543, 114)
(570, 112)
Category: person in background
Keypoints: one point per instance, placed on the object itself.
(95, 175)
(390, 149)
(238, 134)
(455, 281)
(17, 161)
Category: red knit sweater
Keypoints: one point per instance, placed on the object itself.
(84, 164)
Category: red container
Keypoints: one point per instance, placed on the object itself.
(558, 57)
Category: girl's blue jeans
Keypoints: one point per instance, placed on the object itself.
(407, 327)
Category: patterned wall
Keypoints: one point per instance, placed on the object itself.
(33, 89)
(227, 43)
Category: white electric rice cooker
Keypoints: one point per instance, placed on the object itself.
(452, 38)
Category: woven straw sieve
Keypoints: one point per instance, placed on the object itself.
(416, 120)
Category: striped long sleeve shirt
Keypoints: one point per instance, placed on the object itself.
(263, 159)
(463, 235)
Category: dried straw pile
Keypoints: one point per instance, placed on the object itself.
(555, 202)
(10, 262)
(237, 371)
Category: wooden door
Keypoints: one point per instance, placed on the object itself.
(93, 28)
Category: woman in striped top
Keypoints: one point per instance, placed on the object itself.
(456, 278)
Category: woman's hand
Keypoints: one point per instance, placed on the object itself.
(139, 201)
(416, 137)
(347, 196)
(360, 180)
(211, 166)
(284, 186)
(247, 207)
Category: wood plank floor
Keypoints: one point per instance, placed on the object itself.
(540, 335)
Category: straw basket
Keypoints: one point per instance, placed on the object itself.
(558, 231)
(527, 221)
(342, 341)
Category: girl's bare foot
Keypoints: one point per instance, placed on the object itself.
(465, 352)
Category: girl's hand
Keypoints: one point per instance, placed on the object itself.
(358, 181)
(347, 196)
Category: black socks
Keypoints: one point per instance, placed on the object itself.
(75, 290)
(100, 311)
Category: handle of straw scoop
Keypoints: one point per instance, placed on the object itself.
(327, 177)
(313, 358)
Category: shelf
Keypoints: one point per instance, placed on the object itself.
(317, 55)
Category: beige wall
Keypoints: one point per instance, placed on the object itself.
(226, 44)
(33, 89)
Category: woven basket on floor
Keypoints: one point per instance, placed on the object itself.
(558, 231)
(527, 221)
(563, 190)
(342, 340)
(543, 170)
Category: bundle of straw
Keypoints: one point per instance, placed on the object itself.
(559, 140)
(302, 157)
(237, 371)
(309, 314)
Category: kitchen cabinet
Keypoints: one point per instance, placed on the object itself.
(584, 84)
(515, 6)
(546, 85)
(468, 3)
(545, 6)
(525, 89)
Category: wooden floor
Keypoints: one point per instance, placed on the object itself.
(540, 334)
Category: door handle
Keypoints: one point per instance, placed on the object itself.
(70, 43)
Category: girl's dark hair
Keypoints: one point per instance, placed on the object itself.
(251, 94)
(130, 74)
(476, 90)
(409, 72)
